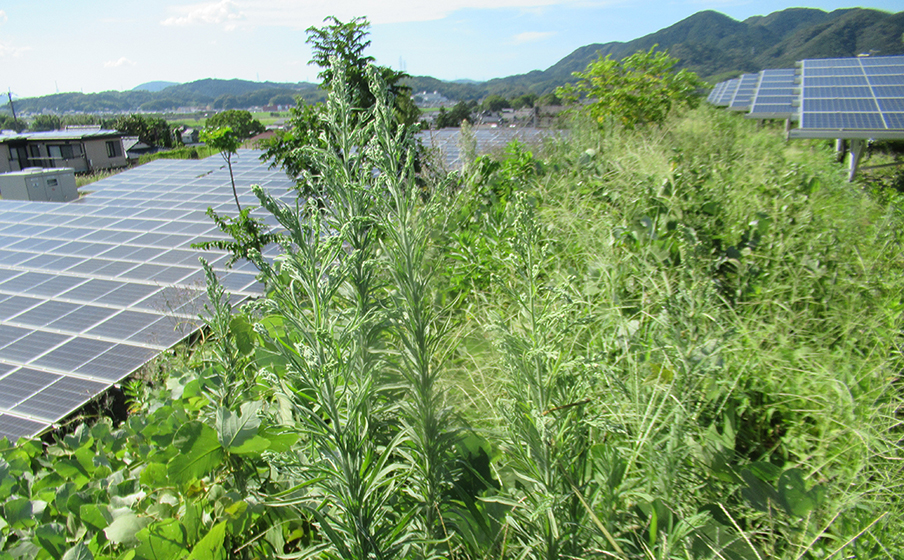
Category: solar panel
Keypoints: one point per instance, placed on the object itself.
(744, 92)
(852, 98)
(776, 95)
(92, 290)
(727, 93)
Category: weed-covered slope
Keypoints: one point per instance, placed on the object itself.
(724, 312)
(681, 341)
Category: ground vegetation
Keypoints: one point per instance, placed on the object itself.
(681, 340)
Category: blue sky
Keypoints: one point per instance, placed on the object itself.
(97, 45)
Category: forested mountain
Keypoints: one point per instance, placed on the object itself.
(709, 43)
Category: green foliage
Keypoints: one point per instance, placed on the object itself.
(45, 122)
(242, 124)
(494, 103)
(7, 122)
(228, 143)
(679, 341)
(640, 89)
(338, 49)
(459, 113)
(153, 131)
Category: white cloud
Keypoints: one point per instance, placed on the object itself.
(123, 61)
(3, 18)
(531, 37)
(224, 12)
(7, 49)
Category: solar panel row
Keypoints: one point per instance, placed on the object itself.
(850, 98)
(92, 290)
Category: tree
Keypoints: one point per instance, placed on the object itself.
(527, 100)
(224, 139)
(7, 122)
(495, 103)
(241, 122)
(642, 88)
(153, 131)
(461, 112)
(46, 122)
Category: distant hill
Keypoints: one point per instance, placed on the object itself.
(715, 46)
(154, 86)
(710, 43)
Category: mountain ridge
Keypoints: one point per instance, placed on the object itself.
(709, 43)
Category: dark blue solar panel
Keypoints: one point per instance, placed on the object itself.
(841, 92)
(835, 81)
(891, 105)
(859, 105)
(896, 80)
(860, 121)
(895, 120)
(889, 91)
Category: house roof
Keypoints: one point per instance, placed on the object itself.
(51, 135)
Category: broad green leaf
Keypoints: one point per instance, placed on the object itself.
(764, 471)
(243, 333)
(794, 497)
(52, 538)
(234, 430)
(161, 540)
(72, 469)
(279, 442)
(124, 529)
(255, 445)
(78, 552)
(95, 516)
(154, 476)
(199, 453)
(211, 546)
(21, 513)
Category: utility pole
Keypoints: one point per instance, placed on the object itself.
(9, 93)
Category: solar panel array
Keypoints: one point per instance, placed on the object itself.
(92, 290)
(775, 95)
(863, 97)
(744, 92)
(848, 98)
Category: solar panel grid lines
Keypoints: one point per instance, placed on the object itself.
(92, 290)
(728, 93)
(776, 95)
(854, 98)
(745, 91)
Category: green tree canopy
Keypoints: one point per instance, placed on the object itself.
(241, 122)
(642, 88)
(7, 122)
(46, 122)
(153, 131)
(453, 118)
(494, 103)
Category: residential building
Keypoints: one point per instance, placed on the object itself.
(82, 149)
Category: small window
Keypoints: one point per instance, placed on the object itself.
(114, 149)
(35, 150)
